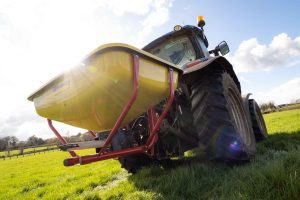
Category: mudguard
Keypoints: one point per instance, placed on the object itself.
(246, 103)
(192, 70)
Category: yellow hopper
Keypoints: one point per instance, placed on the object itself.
(93, 94)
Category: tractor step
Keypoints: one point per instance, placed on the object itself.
(82, 145)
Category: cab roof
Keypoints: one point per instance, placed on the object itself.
(183, 30)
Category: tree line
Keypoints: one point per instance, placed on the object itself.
(271, 107)
(12, 142)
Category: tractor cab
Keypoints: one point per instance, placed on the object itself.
(185, 44)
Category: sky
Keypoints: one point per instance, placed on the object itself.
(41, 38)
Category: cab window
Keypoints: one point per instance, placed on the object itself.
(203, 47)
(178, 50)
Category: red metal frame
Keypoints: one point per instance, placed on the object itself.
(59, 137)
(151, 118)
(128, 105)
(154, 125)
(92, 133)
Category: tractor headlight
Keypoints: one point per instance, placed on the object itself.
(177, 28)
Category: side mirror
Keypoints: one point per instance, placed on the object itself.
(223, 48)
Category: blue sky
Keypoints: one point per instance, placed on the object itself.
(41, 38)
(236, 21)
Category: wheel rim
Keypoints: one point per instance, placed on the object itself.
(239, 117)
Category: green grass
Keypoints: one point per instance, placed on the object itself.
(273, 174)
(43, 175)
(284, 121)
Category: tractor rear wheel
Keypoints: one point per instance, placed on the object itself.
(131, 163)
(220, 119)
(258, 123)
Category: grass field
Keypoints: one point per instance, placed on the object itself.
(26, 150)
(12, 152)
(273, 174)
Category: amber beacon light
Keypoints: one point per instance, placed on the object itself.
(201, 21)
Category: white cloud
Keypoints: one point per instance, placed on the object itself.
(284, 93)
(157, 17)
(40, 39)
(187, 7)
(253, 56)
(120, 7)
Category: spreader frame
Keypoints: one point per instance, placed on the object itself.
(154, 124)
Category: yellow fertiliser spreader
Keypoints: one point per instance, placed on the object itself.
(93, 94)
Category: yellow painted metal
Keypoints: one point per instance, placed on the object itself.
(93, 94)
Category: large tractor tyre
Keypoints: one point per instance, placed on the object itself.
(258, 123)
(131, 163)
(220, 119)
